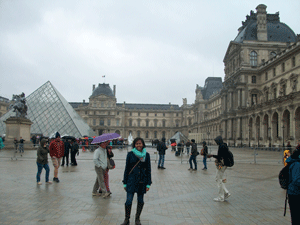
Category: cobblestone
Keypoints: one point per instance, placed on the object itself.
(177, 196)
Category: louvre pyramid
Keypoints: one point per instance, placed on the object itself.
(50, 112)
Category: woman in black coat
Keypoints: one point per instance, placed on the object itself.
(137, 178)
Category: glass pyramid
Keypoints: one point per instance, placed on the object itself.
(50, 112)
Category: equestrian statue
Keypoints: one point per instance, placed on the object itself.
(19, 105)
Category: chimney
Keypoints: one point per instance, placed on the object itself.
(115, 90)
(261, 17)
(93, 87)
(83, 101)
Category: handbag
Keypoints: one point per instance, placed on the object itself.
(202, 151)
(110, 164)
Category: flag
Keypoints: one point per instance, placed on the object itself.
(103, 76)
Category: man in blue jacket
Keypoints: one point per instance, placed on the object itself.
(161, 148)
(293, 190)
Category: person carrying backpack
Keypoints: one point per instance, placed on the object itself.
(221, 162)
(293, 190)
(161, 148)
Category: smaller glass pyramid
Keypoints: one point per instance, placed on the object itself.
(50, 112)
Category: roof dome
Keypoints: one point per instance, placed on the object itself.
(103, 89)
(276, 31)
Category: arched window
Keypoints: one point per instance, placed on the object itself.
(253, 58)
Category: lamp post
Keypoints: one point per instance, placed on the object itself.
(249, 134)
(269, 134)
(283, 135)
(241, 139)
(257, 134)
(208, 133)
(234, 138)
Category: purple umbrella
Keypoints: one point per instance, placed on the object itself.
(105, 137)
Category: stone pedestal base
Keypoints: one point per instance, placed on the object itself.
(18, 127)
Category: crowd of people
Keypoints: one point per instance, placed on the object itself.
(137, 173)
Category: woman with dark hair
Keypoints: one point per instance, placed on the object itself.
(137, 178)
(293, 190)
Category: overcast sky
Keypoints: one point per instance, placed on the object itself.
(153, 51)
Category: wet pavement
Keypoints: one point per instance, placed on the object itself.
(177, 196)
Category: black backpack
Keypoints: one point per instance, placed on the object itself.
(284, 177)
(228, 160)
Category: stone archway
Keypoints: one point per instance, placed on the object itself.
(286, 123)
(266, 129)
(275, 126)
(297, 124)
(257, 131)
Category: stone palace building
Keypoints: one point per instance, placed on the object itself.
(258, 103)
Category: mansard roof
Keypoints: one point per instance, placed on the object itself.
(212, 85)
(276, 31)
(103, 89)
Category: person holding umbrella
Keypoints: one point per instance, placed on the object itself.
(100, 161)
(137, 178)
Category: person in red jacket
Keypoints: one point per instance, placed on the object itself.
(57, 151)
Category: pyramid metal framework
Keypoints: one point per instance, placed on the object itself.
(50, 112)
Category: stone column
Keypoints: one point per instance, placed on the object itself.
(243, 98)
(239, 97)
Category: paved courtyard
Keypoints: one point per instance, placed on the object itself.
(177, 196)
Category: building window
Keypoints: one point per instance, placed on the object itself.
(139, 123)
(147, 114)
(282, 67)
(176, 114)
(267, 96)
(108, 122)
(118, 113)
(138, 133)
(155, 123)
(190, 121)
(94, 112)
(272, 54)
(101, 122)
(85, 112)
(117, 122)
(274, 72)
(177, 123)
(108, 113)
(155, 134)
(164, 134)
(102, 104)
(94, 122)
(147, 123)
(163, 114)
(139, 114)
(147, 134)
(130, 122)
(253, 79)
(266, 75)
(164, 123)
(253, 58)
(155, 114)
(293, 61)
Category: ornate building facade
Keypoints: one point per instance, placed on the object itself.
(260, 100)
(257, 104)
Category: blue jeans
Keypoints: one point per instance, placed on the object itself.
(161, 160)
(188, 150)
(193, 158)
(40, 168)
(204, 161)
(140, 198)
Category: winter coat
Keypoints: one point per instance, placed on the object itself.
(194, 149)
(140, 176)
(42, 153)
(57, 148)
(161, 148)
(222, 150)
(294, 176)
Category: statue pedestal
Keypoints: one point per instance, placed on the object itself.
(17, 127)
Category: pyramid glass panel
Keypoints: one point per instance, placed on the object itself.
(50, 112)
